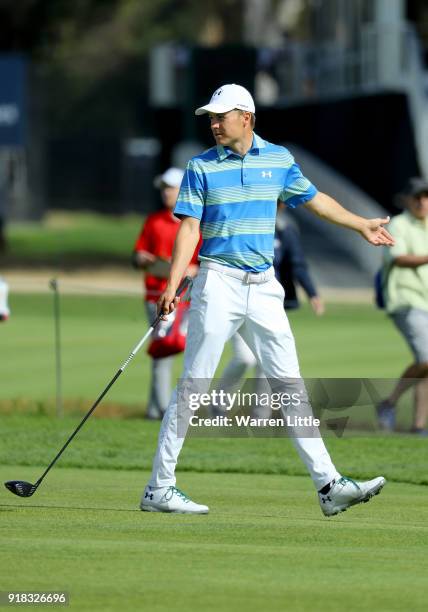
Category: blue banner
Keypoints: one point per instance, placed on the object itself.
(13, 100)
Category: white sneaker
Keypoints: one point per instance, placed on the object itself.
(345, 492)
(169, 499)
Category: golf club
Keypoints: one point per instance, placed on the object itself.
(26, 489)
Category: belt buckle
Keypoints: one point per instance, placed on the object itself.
(254, 278)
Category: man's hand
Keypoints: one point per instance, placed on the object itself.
(143, 258)
(317, 305)
(374, 232)
(167, 302)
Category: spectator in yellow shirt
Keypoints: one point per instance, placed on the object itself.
(406, 298)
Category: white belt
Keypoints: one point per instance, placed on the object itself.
(248, 278)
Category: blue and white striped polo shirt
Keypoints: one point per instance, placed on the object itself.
(235, 199)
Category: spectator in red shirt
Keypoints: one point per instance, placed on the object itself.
(153, 249)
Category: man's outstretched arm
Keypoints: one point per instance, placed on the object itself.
(372, 230)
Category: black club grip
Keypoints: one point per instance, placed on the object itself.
(187, 280)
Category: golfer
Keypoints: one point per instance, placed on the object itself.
(229, 193)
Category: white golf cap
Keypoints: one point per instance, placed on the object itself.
(227, 98)
(171, 177)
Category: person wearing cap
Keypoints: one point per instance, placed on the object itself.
(405, 274)
(155, 243)
(230, 193)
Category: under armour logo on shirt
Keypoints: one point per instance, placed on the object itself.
(266, 174)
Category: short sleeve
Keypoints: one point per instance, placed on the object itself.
(191, 198)
(400, 247)
(297, 188)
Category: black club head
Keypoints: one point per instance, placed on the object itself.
(20, 487)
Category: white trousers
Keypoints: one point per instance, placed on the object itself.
(241, 361)
(220, 306)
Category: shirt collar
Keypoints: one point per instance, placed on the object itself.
(258, 143)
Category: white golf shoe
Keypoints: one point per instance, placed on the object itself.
(345, 492)
(169, 499)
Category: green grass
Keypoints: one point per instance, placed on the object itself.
(98, 333)
(126, 444)
(72, 239)
(265, 545)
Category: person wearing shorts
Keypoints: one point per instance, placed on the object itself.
(406, 298)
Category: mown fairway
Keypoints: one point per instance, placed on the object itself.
(265, 544)
(99, 331)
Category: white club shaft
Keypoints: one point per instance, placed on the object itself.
(137, 348)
